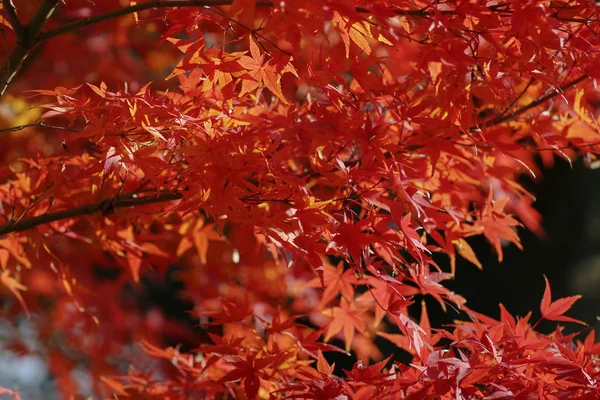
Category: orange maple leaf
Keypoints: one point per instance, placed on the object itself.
(261, 72)
(336, 281)
(347, 318)
(14, 286)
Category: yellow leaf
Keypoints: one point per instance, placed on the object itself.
(405, 24)
(465, 250)
(4, 256)
(360, 40)
(135, 14)
(14, 286)
(337, 20)
(100, 91)
(383, 39)
(4, 21)
(184, 245)
(181, 44)
(272, 83)
(16, 250)
(114, 385)
(354, 32)
(67, 286)
(578, 96)
(132, 109)
(254, 50)
(363, 28)
(579, 109)
(435, 68)
(135, 263)
(153, 249)
(248, 86)
(153, 131)
(126, 233)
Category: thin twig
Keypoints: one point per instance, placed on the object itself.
(11, 15)
(137, 8)
(156, 4)
(519, 96)
(119, 202)
(253, 32)
(38, 125)
(541, 100)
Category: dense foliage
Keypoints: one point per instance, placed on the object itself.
(312, 169)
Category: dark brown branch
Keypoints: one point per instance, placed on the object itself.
(22, 50)
(11, 15)
(38, 125)
(541, 100)
(102, 206)
(512, 104)
(177, 3)
(31, 34)
(137, 8)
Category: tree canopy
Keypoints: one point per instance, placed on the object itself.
(312, 169)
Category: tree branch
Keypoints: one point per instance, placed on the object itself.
(38, 125)
(22, 49)
(11, 14)
(105, 206)
(137, 8)
(541, 100)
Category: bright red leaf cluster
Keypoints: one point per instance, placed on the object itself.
(304, 164)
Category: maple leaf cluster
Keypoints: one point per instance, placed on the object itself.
(304, 165)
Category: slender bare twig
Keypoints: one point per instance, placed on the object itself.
(103, 206)
(512, 104)
(38, 125)
(184, 3)
(137, 8)
(541, 100)
(11, 15)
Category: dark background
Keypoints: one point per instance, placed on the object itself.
(569, 201)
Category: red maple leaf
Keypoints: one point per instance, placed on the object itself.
(335, 281)
(554, 310)
(249, 371)
(348, 317)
